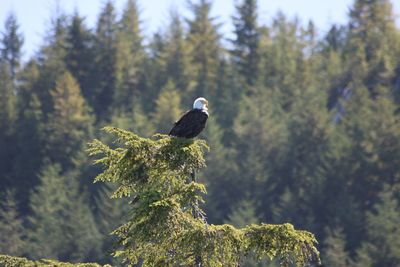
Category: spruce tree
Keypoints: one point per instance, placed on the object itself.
(372, 129)
(52, 61)
(166, 226)
(308, 153)
(330, 65)
(70, 122)
(222, 179)
(179, 68)
(262, 136)
(62, 225)
(135, 120)
(230, 90)
(366, 160)
(105, 70)
(246, 43)
(80, 55)
(141, 120)
(11, 44)
(284, 64)
(383, 230)
(129, 57)
(167, 108)
(8, 101)
(30, 135)
(204, 40)
(12, 232)
(335, 254)
(243, 214)
(373, 33)
(155, 72)
(8, 117)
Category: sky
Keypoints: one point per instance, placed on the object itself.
(34, 15)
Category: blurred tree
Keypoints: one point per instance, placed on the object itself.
(246, 43)
(105, 63)
(284, 62)
(223, 182)
(30, 136)
(129, 57)
(261, 130)
(12, 232)
(154, 73)
(373, 34)
(178, 67)
(309, 35)
(8, 117)
(69, 124)
(224, 105)
(331, 65)
(80, 55)
(8, 101)
(167, 108)
(335, 254)
(374, 134)
(52, 61)
(62, 225)
(204, 40)
(243, 214)
(11, 44)
(141, 120)
(369, 157)
(383, 230)
(306, 161)
(363, 258)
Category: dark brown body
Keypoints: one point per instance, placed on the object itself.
(190, 124)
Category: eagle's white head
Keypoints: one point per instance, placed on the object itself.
(200, 103)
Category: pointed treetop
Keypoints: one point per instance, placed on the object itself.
(11, 44)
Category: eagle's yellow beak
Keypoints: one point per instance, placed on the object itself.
(205, 102)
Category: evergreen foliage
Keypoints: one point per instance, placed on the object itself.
(11, 229)
(8, 112)
(8, 117)
(58, 207)
(246, 52)
(163, 229)
(129, 57)
(167, 108)
(204, 41)
(80, 55)
(178, 66)
(335, 251)
(11, 44)
(8, 261)
(304, 129)
(69, 122)
(105, 68)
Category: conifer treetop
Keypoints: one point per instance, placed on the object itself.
(162, 229)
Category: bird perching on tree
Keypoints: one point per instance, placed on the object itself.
(193, 121)
(167, 225)
(161, 230)
(190, 125)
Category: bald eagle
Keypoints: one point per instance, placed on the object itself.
(193, 121)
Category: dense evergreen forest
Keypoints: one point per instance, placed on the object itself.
(304, 128)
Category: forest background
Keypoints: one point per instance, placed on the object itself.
(303, 128)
